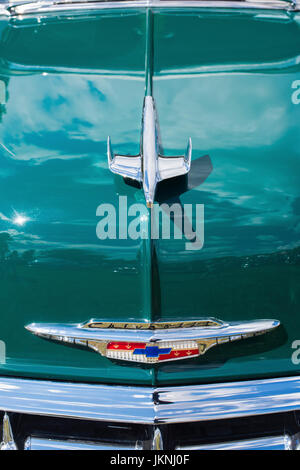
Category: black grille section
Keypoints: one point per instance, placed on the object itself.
(132, 435)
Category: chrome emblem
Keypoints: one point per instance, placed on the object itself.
(151, 343)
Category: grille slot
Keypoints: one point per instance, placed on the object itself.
(278, 431)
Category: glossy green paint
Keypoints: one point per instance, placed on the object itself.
(72, 82)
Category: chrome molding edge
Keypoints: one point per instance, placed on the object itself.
(56, 6)
(146, 405)
(284, 442)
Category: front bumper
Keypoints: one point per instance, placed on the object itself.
(250, 414)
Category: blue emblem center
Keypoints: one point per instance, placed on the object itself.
(152, 351)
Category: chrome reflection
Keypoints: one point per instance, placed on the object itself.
(146, 405)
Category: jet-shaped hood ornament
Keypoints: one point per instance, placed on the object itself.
(150, 166)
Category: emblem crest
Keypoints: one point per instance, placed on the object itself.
(152, 343)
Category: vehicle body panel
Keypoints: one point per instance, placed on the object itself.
(234, 99)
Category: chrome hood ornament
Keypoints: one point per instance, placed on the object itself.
(150, 166)
(151, 343)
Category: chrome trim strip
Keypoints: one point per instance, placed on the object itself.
(25, 69)
(157, 442)
(264, 443)
(149, 167)
(148, 405)
(52, 6)
(35, 443)
(284, 442)
(77, 400)
(230, 329)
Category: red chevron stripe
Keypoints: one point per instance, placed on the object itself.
(177, 354)
(124, 345)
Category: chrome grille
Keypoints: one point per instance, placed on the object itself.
(241, 415)
(32, 432)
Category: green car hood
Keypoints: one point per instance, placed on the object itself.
(224, 77)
